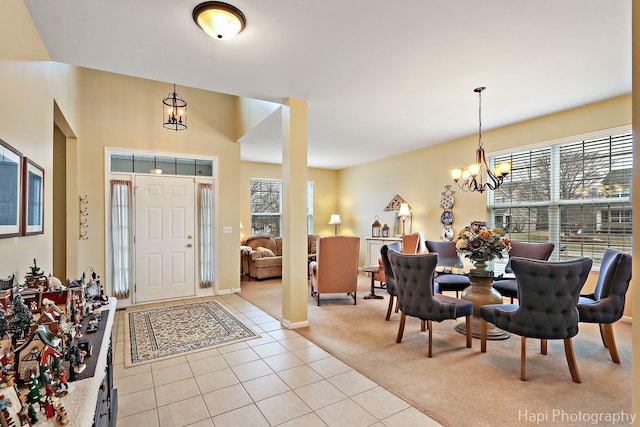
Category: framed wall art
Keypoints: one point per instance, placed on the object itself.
(33, 198)
(10, 191)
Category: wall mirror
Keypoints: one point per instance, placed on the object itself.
(33, 198)
(10, 190)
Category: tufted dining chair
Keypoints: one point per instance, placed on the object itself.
(605, 305)
(540, 251)
(416, 298)
(390, 281)
(549, 293)
(447, 253)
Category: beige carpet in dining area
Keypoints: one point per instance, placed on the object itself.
(461, 386)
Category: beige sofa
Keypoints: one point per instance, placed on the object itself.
(262, 257)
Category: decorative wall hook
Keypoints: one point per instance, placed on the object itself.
(84, 213)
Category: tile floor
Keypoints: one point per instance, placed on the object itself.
(279, 379)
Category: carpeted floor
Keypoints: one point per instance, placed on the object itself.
(461, 386)
(166, 331)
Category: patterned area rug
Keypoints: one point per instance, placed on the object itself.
(159, 333)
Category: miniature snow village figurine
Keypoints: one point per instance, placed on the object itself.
(19, 320)
(61, 415)
(33, 415)
(34, 395)
(92, 325)
(35, 279)
(5, 402)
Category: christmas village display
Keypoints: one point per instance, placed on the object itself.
(41, 343)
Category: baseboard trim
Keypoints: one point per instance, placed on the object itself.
(287, 324)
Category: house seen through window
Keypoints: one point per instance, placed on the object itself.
(266, 207)
(574, 194)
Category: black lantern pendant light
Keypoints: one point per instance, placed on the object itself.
(174, 111)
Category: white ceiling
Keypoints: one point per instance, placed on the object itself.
(380, 77)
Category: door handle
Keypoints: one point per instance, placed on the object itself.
(189, 236)
(189, 245)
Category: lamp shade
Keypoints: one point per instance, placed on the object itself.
(404, 210)
(219, 20)
(335, 219)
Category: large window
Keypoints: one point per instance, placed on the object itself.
(574, 194)
(266, 207)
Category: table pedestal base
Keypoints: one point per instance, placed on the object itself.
(493, 333)
(480, 293)
(372, 271)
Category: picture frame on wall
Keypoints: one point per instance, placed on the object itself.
(33, 183)
(11, 166)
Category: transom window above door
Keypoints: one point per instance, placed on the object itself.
(165, 165)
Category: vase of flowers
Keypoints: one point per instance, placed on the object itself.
(482, 246)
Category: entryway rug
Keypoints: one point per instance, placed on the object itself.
(163, 332)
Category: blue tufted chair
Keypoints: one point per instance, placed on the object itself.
(390, 282)
(414, 279)
(549, 293)
(606, 304)
(541, 251)
(448, 254)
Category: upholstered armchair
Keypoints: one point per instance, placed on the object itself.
(448, 254)
(540, 251)
(605, 305)
(390, 281)
(548, 295)
(416, 297)
(411, 243)
(336, 267)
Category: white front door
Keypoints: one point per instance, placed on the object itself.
(164, 237)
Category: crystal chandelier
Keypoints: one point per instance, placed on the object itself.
(479, 176)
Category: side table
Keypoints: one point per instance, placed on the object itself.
(245, 253)
(372, 271)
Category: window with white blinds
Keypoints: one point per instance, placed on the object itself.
(574, 194)
(266, 207)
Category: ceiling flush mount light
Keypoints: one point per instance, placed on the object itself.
(479, 176)
(219, 20)
(174, 111)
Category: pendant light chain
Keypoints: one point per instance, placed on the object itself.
(479, 90)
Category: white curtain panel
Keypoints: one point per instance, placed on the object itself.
(121, 231)
(205, 206)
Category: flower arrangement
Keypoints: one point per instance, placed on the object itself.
(484, 245)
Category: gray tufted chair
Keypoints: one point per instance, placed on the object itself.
(414, 279)
(541, 251)
(606, 304)
(448, 256)
(549, 293)
(389, 280)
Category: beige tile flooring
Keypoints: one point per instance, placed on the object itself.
(279, 379)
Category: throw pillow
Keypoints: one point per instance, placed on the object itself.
(265, 252)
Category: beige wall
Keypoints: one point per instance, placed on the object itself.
(96, 109)
(325, 186)
(26, 124)
(419, 177)
(124, 112)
